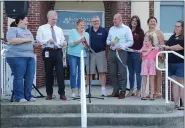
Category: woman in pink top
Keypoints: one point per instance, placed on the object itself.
(148, 53)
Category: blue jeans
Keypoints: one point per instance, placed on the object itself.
(134, 66)
(74, 64)
(176, 69)
(23, 69)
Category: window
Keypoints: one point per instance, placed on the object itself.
(170, 13)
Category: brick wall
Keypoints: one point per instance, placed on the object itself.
(36, 16)
(151, 8)
(124, 7)
(109, 13)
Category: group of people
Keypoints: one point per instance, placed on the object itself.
(129, 47)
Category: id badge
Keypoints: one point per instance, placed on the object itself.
(46, 54)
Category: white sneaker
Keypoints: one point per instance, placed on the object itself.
(22, 100)
(32, 99)
(78, 95)
(73, 95)
(103, 91)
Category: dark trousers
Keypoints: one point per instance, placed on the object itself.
(55, 59)
(117, 67)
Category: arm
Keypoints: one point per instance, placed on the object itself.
(109, 38)
(39, 36)
(12, 39)
(141, 36)
(177, 47)
(160, 37)
(62, 38)
(87, 38)
(106, 35)
(129, 40)
(19, 40)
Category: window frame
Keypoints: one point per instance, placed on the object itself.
(157, 14)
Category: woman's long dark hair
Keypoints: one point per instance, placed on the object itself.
(17, 19)
(182, 32)
(138, 27)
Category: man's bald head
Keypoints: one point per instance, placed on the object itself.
(117, 19)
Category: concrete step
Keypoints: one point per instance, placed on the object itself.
(91, 108)
(94, 119)
(163, 126)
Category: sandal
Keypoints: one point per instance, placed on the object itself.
(181, 108)
(158, 95)
(152, 99)
(148, 96)
(144, 98)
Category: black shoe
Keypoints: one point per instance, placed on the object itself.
(102, 95)
(89, 95)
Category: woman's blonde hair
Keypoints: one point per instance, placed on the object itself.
(79, 21)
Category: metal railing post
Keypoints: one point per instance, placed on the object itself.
(166, 78)
(166, 72)
(83, 94)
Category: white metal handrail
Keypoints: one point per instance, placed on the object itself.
(166, 71)
(6, 75)
(83, 93)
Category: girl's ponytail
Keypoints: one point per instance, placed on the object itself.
(13, 24)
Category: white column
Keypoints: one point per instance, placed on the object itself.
(1, 29)
(157, 12)
(141, 9)
(10, 20)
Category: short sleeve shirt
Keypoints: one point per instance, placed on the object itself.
(19, 50)
(98, 39)
(174, 40)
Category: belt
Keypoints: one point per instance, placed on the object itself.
(113, 50)
(52, 49)
(100, 51)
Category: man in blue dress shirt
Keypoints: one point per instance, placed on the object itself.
(119, 38)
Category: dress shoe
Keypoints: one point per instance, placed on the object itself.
(113, 95)
(121, 95)
(50, 97)
(63, 97)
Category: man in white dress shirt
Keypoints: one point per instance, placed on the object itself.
(52, 40)
(119, 38)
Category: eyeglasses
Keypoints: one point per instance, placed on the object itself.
(177, 26)
(96, 21)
